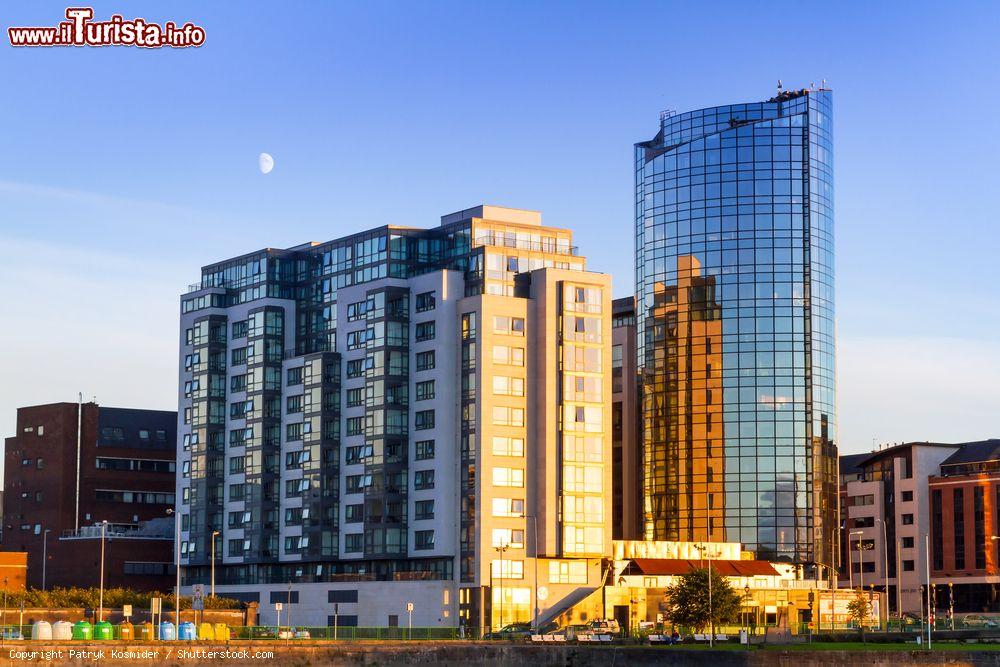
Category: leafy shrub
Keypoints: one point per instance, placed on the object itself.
(114, 598)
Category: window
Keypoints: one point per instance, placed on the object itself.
(509, 507)
(511, 537)
(284, 597)
(425, 360)
(505, 355)
(468, 326)
(506, 416)
(907, 519)
(354, 513)
(237, 464)
(588, 418)
(907, 542)
(508, 569)
(355, 425)
(295, 460)
(425, 450)
(40, 463)
(508, 386)
(423, 539)
(239, 356)
(423, 509)
(293, 404)
(355, 368)
(353, 542)
(296, 431)
(908, 566)
(423, 479)
(355, 397)
(958, 514)
(907, 496)
(513, 477)
(296, 487)
(424, 331)
(424, 420)
(868, 499)
(567, 572)
(512, 326)
(349, 596)
(504, 446)
(239, 329)
(425, 301)
(425, 390)
(294, 376)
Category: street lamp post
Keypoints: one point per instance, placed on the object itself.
(177, 567)
(951, 604)
(215, 534)
(100, 605)
(885, 571)
(746, 613)
(45, 554)
(861, 560)
(702, 548)
(502, 549)
(534, 558)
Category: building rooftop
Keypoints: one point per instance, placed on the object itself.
(625, 304)
(974, 452)
(851, 463)
(517, 216)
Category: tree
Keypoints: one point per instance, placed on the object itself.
(687, 600)
(859, 609)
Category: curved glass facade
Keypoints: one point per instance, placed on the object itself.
(734, 307)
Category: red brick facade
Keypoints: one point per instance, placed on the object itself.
(40, 492)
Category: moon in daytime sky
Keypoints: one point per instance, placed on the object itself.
(266, 163)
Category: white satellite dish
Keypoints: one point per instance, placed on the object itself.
(266, 163)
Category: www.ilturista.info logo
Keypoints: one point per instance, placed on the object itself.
(80, 30)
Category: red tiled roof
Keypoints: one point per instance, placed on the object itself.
(675, 566)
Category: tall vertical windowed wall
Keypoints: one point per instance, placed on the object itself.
(400, 415)
(735, 336)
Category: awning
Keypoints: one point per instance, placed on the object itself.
(676, 566)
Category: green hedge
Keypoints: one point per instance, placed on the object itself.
(114, 598)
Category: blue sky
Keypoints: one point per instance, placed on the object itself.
(125, 170)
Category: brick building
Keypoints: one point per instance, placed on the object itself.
(125, 478)
(894, 500)
(964, 525)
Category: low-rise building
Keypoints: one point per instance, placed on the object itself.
(73, 466)
(964, 528)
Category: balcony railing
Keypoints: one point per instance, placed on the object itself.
(506, 242)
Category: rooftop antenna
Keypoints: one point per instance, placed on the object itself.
(824, 84)
(811, 85)
(779, 86)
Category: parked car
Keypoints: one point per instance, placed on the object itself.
(520, 630)
(605, 626)
(978, 621)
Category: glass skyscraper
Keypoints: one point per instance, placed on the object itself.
(735, 327)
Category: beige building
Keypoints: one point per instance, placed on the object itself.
(535, 430)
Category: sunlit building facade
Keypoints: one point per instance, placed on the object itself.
(734, 317)
(401, 415)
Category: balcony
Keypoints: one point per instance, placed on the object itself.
(504, 242)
